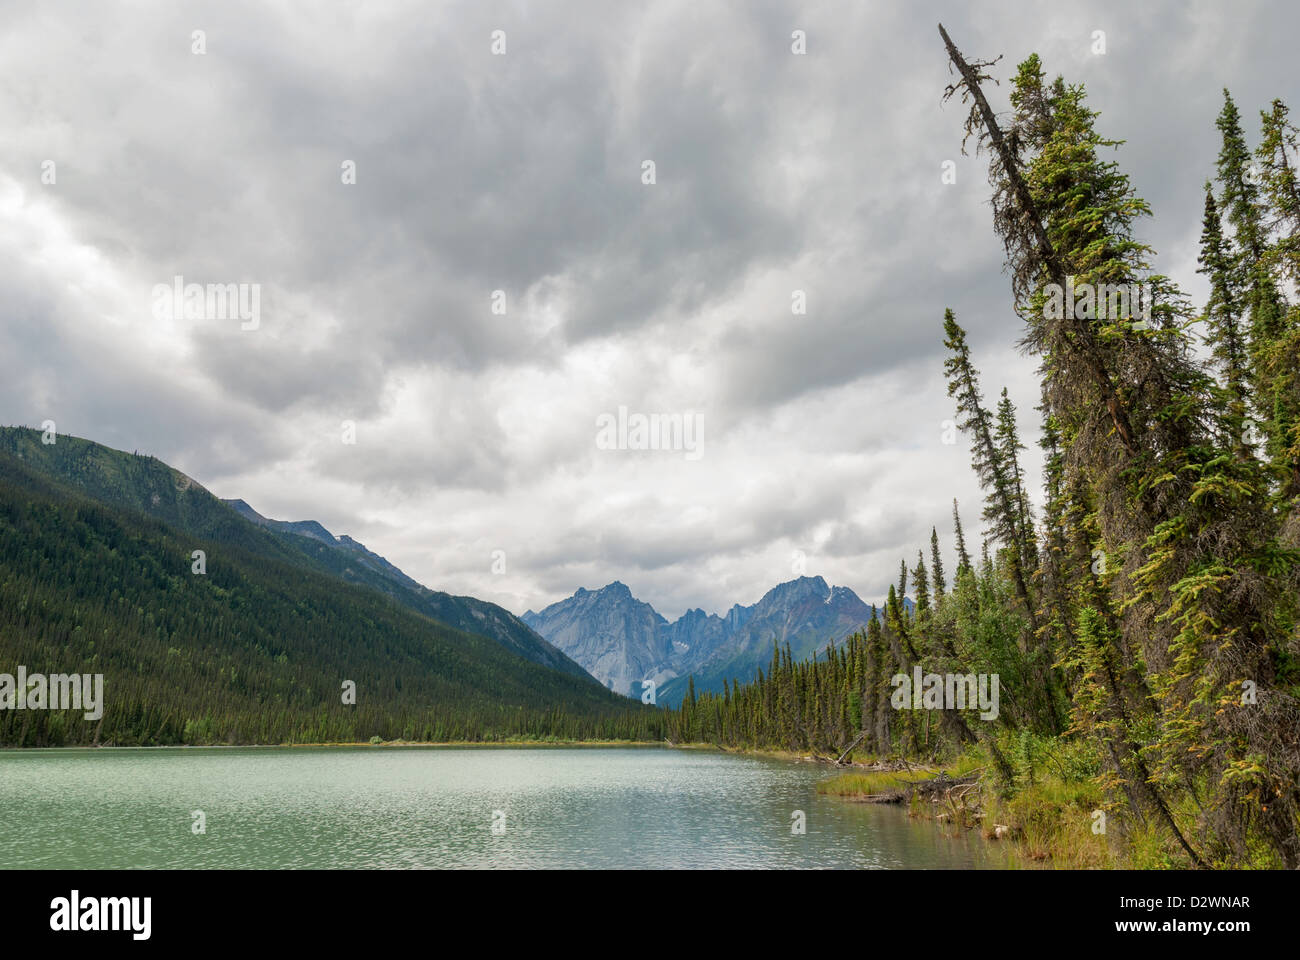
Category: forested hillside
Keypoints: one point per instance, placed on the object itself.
(144, 484)
(254, 650)
(1144, 626)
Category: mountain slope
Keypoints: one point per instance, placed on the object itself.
(254, 651)
(350, 560)
(623, 641)
(149, 486)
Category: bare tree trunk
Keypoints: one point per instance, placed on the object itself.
(1046, 252)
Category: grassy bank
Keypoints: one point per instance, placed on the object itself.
(1053, 813)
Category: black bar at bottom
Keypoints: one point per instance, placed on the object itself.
(332, 909)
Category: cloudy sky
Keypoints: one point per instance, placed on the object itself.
(523, 172)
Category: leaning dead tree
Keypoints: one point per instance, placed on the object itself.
(1082, 370)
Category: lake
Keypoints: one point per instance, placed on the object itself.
(433, 807)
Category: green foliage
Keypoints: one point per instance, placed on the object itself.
(256, 650)
(1145, 635)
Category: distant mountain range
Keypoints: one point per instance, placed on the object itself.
(288, 607)
(623, 641)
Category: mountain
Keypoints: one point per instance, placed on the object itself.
(618, 639)
(805, 613)
(353, 562)
(151, 487)
(256, 649)
(623, 641)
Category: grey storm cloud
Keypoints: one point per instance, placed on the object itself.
(521, 173)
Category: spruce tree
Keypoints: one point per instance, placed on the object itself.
(936, 566)
(1009, 450)
(1275, 155)
(1280, 205)
(921, 581)
(1002, 512)
(1187, 525)
(963, 557)
(1222, 319)
(1249, 270)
